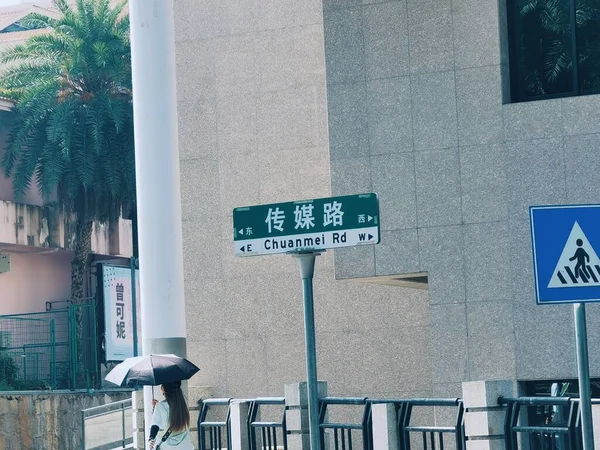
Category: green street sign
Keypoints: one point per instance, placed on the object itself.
(307, 225)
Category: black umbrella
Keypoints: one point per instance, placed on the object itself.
(151, 370)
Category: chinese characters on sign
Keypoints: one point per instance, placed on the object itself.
(274, 220)
(306, 225)
(332, 214)
(118, 311)
(303, 217)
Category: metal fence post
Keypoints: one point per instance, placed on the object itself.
(123, 423)
(461, 444)
(94, 343)
(53, 353)
(82, 430)
(73, 345)
(405, 437)
(24, 357)
(132, 263)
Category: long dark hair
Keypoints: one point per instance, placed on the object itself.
(179, 415)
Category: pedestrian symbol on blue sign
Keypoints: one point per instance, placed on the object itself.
(566, 263)
(578, 265)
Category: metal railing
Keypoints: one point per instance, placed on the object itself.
(269, 430)
(432, 435)
(214, 424)
(215, 429)
(100, 425)
(561, 429)
(532, 423)
(28, 353)
(346, 434)
(358, 433)
(44, 350)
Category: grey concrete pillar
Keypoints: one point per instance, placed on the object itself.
(484, 418)
(296, 414)
(137, 411)
(385, 427)
(239, 426)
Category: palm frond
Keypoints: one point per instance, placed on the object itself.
(558, 61)
(36, 20)
(528, 7)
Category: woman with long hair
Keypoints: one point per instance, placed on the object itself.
(172, 416)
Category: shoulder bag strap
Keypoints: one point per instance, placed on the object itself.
(164, 438)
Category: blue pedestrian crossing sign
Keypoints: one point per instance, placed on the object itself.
(566, 242)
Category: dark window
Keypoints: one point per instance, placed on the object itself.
(555, 48)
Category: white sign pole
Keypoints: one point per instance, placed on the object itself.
(157, 180)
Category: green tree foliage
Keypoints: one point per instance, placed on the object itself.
(545, 42)
(72, 132)
(8, 372)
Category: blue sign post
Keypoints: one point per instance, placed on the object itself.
(565, 242)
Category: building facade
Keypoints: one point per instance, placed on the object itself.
(410, 99)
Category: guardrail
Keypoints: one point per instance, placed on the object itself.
(107, 428)
(261, 423)
(268, 429)
(405, 428)
(562, 432)
(216, 428)
(343, 432)
(214, 424)
(350, 434)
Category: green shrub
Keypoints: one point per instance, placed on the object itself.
(8, 371)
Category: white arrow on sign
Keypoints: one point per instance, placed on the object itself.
(241, 231)
(369, 218)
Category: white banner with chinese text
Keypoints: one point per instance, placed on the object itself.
(118, 311)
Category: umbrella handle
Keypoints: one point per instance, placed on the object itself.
(153, 400)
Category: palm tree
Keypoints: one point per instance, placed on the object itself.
(72, 127)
